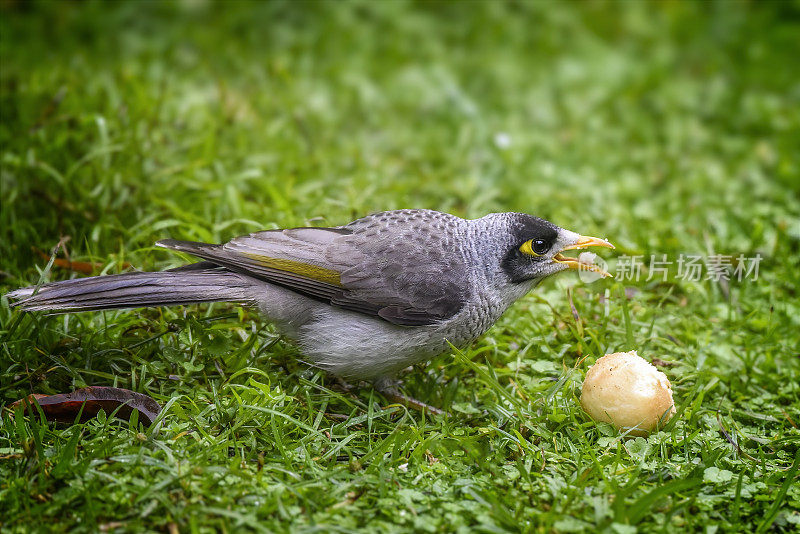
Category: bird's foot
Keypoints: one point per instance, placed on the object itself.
(388, 388)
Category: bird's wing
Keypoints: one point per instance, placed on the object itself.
(291, 258)
(409, 274)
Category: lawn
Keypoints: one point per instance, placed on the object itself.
(670, 128)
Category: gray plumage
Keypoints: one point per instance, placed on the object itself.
(363, 300)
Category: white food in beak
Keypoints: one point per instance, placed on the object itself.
(627, 391)
(587, 257)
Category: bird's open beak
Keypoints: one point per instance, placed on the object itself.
(575, 263)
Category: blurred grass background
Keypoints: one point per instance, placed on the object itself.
(669, 127)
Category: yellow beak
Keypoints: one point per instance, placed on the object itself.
(587, 241)
(575, 263)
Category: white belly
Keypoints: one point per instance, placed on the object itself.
(354, 345)
(358, 346)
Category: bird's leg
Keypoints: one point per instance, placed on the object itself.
(345, 386)
(388, 388)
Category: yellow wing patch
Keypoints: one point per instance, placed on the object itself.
(314, 272)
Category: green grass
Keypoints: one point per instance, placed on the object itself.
(670, 128)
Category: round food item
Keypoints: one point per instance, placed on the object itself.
(627, 391)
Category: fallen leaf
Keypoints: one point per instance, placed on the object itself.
(65, 407)
(84, 267)
(658, 362)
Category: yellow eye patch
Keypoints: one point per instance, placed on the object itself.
(527, 248)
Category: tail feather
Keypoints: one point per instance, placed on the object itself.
(187, 285)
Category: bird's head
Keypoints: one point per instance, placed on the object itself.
(533, 249)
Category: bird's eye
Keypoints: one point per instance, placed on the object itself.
(534, 247)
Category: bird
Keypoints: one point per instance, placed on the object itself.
(362, 301)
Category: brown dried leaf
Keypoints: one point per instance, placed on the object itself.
(84, 267)
(65, 407)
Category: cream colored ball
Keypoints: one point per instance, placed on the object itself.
(627, 391)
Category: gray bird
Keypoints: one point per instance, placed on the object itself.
(362, 301)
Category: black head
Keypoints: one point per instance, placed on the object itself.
(534, 242)
(530, 249)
